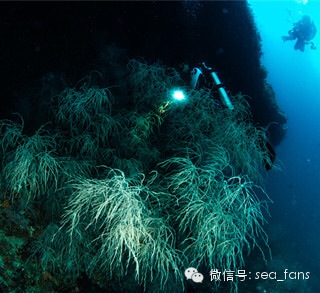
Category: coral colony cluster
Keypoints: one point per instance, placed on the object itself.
(127, 187)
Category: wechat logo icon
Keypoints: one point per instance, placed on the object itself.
(193, 274)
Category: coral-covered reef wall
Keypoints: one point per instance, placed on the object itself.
(39, 40)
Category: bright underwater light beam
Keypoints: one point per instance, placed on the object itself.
(174, 95)
(178, 95)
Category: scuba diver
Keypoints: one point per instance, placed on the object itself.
(204, 76)
(303, 31)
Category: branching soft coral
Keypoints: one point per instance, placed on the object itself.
(125, 232)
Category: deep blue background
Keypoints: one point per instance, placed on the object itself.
(295, 76)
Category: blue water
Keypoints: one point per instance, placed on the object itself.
(295, 76)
